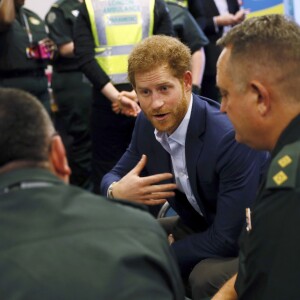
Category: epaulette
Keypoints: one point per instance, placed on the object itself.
(57, 3)
(284, 168)
(66, 6)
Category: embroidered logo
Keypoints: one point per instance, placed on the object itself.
(34, 21)
(51, 17)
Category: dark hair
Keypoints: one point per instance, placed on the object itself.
(25, 127)
(159, 50)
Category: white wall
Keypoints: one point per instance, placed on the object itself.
(297, 10)
(40, 7)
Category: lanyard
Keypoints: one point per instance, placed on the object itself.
(25, 185)
(27, 28)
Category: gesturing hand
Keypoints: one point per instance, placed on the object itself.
(146, 190)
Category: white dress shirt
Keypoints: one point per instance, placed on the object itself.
(222, 7)
(174, 144)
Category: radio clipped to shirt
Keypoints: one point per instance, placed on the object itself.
(38, 51)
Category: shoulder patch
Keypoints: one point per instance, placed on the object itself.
(59, 2)
(34, 21)
(75, 13)
(51, 17)
(283, 170)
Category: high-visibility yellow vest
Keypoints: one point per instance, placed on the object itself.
(183, 3)
(117, 26)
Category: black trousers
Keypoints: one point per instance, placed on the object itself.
(73, 97)
(208, 276)
(111, 135)
(36, 85)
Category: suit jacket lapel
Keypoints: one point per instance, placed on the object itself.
(232, 6)
(211, 8)
(194, 144)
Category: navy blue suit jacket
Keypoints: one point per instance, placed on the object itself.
(223, 174)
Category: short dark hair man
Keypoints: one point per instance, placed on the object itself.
(180, 133)
(259, 79)
(59, 241)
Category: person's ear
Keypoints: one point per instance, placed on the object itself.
(58, 159)
(261, 97)
(187, 80)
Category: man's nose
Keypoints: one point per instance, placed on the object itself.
(157, 101)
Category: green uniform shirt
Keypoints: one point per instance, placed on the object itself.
(61, 242)
(269, 255)
(15, 40)
(60, 20)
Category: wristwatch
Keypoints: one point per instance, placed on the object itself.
(110, 191)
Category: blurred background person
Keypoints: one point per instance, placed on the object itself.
(105, 33)
(25, 50)
(188, 31)
(215, 17)
(72, 92)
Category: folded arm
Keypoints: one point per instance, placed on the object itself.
(7, 14)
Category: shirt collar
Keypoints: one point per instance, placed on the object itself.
(289, 135)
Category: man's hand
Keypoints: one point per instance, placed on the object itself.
(146, 190)
(240, 15)
(225, 20)
(50, 45)
(7, 14)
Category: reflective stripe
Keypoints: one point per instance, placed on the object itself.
(115, 66)
(116, 50)
(117, 26)
(109, 14)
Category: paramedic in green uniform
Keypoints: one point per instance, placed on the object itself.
(259, 78)
(59, 241)
(72, 92)
(24, 50)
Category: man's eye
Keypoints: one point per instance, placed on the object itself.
(223, 94)
(145, 92)
(163, 88)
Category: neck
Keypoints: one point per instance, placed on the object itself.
(21, 164)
